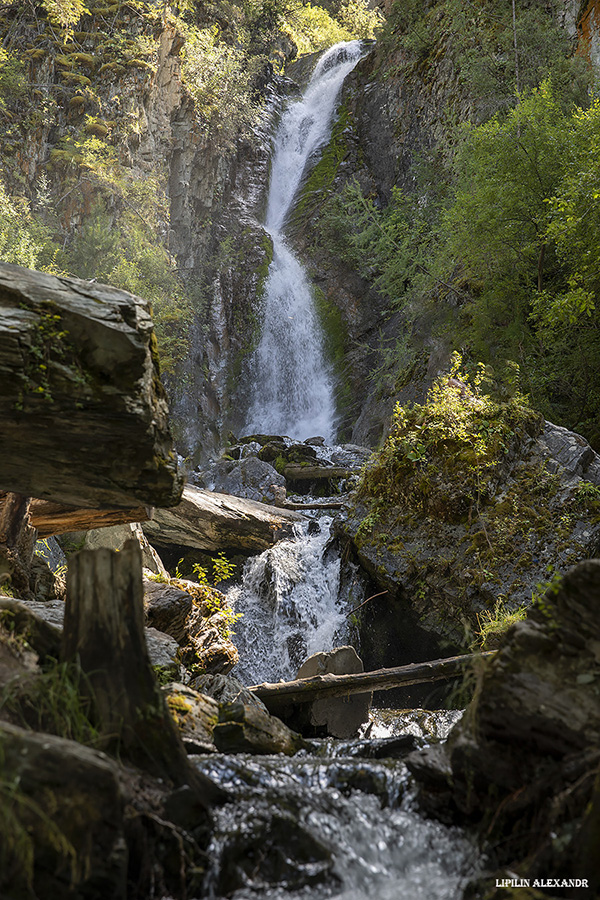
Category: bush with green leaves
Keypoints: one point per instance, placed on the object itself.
(440, 457)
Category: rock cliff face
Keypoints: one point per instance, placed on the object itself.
(112, 98)
(397, 111)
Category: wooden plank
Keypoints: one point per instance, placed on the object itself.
(305, 690)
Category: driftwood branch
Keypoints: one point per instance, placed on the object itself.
(305, 690)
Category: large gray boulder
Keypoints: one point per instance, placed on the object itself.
(523, 760)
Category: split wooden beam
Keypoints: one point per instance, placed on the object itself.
(207, 520)
(305, 690)
(51, 518)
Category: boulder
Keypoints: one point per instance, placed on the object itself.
(336, 716)
(250, 478)
(226, 689)
(76, 824)
(245, 728)
(41, 624)
(211, 521)
(195, 715)
(62, 804)
(446, 560)
(197, 617)
(522, 761)
(116, 536)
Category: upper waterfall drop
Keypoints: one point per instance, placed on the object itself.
(292, 388)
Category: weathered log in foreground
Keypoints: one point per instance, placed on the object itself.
(305, 690)
(206, 520)
(50, 518)
(84, 415)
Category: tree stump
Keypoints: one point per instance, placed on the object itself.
(104, 633)
(17, 538)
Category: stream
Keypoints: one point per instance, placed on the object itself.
(338, 820)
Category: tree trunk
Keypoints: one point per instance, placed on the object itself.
(305, 690)
(206, 520)
(104, 633)
(17, 538)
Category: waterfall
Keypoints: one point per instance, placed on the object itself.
(292, 387)
(290, 607)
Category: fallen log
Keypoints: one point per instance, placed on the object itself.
(302, 472)
(305, 690)
(84, 415)
(333, 504)
(51, 518)
(209, 521)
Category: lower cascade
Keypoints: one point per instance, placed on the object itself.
(290, 606)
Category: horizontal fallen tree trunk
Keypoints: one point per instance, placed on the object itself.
(55, 518)
(300, 472)
(333, 504)
(305, 690)
(84, 415)
(209, 521)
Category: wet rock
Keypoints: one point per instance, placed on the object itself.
(384, 748)
(522, 760)
(339, 716)
(196, 616)
(163, 651)
(250, 478)
(245, 728)
(226, 689)
(195, 715)
(274, 850)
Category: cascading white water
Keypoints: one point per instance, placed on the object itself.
(290, 608)
(292, 387)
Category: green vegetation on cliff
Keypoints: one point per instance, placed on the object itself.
(494, 227)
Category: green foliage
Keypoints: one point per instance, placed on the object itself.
(219, 78)
(65, 13)
(440, 457)
(13, 83)
(388, 247)
(52, 701)
(24, 240)
(493, 625)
